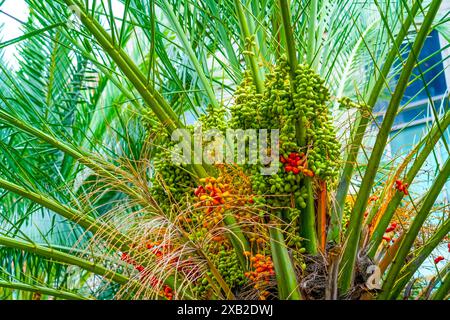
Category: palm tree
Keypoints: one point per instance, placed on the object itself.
(92, 209)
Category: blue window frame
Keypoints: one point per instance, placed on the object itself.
(416, 98)
(431, 68)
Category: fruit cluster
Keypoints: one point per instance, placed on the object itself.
(157, 248)
(215, 195)
(171, 182)
(346, 103)
(296, 163)
(224, 258)
(298, 109)
(229, 268)
(214, 118)
(211, 198)
(402, 187)
(167, 292)
(262, 270)
(280, 189)
(311, 98)
(245, 111)
(293, 239)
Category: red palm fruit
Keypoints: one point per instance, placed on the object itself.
(405, 190)
(154, 281)
(125, 257)
(295, 170)
(288, 168)
(292, 155)
(390, 229)
(438, 259)
(386, 238)
(282, 159)
(140, 268)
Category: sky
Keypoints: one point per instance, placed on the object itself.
(13, 10)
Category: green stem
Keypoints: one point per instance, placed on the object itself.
(357, 216)
(237, 238)
(312, 31)
(360, 129)
(289, 34)
(251, 59)
(429, 141)
(284, 270)
(57, 293)
(413, 231)
(308, 221)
